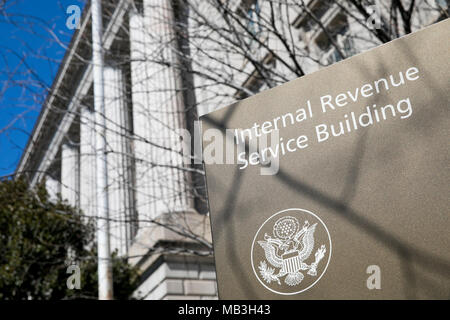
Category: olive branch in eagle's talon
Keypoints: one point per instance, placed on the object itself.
(267, 273)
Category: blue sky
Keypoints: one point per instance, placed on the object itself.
(29, 61)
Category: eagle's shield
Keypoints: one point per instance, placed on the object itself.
(291, 262)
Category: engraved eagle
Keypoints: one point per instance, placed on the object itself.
(288, 250)
(272, 246)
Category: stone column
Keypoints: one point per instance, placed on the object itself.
(70, 170)
(118, 157)
(87, 162)
(158, 112)
(53, 187)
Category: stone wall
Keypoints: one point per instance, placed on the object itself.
(176, 277)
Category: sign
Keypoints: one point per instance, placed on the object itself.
(336, 185)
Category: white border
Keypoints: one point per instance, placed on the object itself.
(253, 242)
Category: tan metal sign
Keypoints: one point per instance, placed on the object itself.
(336, 185)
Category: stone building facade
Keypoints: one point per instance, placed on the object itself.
(148, 103)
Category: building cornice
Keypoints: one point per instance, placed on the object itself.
(29, 159)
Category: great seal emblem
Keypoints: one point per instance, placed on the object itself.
(282, 251)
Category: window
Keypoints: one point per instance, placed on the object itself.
(253, 23)
(338, 30)
(318, 8)
(255, 82)
(249, 11)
